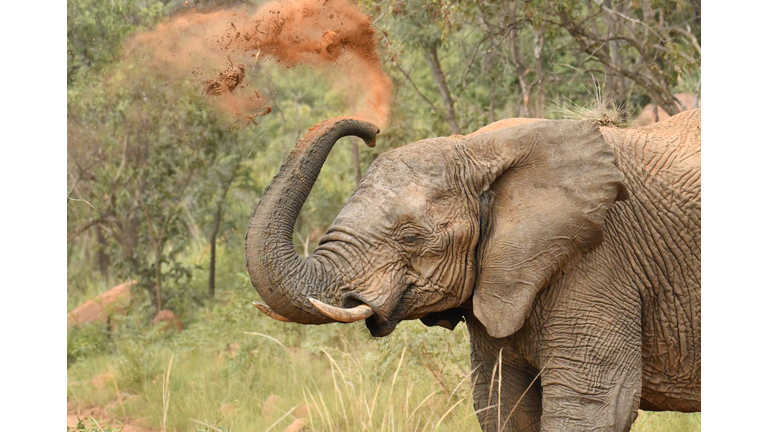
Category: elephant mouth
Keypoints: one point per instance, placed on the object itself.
(380, 327)
(382, 315)
(380, 323)
(355, 310)
(379, 319)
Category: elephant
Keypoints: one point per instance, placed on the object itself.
(571, 250)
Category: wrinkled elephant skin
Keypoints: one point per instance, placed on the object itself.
(572, 251)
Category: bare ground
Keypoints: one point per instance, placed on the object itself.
(101, 416)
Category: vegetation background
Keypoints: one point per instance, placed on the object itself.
(161, 184)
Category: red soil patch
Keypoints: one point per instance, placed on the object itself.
(100, 415)
(100, 307)
(168, 319)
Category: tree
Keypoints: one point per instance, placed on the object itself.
(152, 164)
(96, 30)
(224, 185)
(489, 60)
(651, 44)
(137, 145)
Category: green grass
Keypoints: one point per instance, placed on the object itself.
(217, 374)
(91, 425)
(666, 421)
(225, 379)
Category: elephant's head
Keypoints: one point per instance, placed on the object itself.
(492, 217)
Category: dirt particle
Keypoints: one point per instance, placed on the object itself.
(224, 82)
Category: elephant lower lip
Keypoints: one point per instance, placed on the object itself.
(383, 321)
(379, 327)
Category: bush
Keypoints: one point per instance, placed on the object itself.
(86, 340)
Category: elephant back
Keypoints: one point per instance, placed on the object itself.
(669, 151)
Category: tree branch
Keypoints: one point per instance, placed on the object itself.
(82, 228)
(660, 93)
(416, 88)
(430, 53)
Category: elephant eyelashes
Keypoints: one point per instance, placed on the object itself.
(410, 236)
(410, 239)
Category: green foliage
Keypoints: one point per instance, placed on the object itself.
(96, 30)
(91, 425)
(648, 421)
(139, 150)
(85, 341)
(515, 59)
(151, 161)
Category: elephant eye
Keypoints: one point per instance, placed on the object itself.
(410, 239)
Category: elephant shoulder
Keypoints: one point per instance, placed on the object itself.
(669, 151)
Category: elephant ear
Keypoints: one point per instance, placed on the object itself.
(552, 183)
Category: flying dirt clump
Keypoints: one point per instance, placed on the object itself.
(225, 81)
(246, 106)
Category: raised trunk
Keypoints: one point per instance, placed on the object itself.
(285, 280)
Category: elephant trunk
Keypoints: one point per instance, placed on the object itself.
(285, 280)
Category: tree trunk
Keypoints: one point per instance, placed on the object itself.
(517, 61)
(215, 231)
(492, 102)
(430, 53)
(158, 282)
(212, 265)
(613, 80)
(356, 160)
(537, 50)
(103, 258)
(487, 71)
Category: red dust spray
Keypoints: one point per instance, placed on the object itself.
(333, 37)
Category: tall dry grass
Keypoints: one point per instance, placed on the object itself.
(234, 369)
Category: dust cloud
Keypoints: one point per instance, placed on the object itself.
(219, 49)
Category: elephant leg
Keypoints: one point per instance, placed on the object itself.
(520, 389)
(591, 371)
(609, 405)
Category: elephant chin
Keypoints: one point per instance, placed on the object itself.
(379, 327)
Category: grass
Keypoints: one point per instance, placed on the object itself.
(90, 424)
(350, 383)
(666, 421)
(234, 369)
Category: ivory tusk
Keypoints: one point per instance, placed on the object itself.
(343, 315)
(266, 310)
